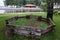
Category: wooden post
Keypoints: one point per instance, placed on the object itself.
(39, 18)
(28, 17)
(32, 36)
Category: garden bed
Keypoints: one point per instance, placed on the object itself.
(29, 25)
(30, 22)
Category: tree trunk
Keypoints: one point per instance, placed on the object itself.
(50, 9)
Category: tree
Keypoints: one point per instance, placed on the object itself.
(44, 6)
(37, 2)
(24, 2)
(9, 2)
(18, 2)
(50, 9)
(15, 2)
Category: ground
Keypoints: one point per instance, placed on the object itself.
(50, 36)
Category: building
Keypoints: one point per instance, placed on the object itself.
(56, 5)
(30, 6)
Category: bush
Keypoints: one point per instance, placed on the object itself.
(56, 12)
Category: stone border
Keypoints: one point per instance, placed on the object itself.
(29, 31)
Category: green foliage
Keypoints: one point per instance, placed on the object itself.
(10, 2)
(15, 2)
(57, 13)
(22, 2)
(44, 6)
(37, 2)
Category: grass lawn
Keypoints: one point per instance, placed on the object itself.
(50, 36)
(30, 22)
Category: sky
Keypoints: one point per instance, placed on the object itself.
(1, 3)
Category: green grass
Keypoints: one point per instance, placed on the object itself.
(50, 36)
(30, 22)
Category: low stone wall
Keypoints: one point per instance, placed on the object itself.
(29, 30)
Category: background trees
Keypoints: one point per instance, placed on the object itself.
(10, 2)
(22, 2)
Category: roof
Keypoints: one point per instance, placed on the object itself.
(30, 5)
